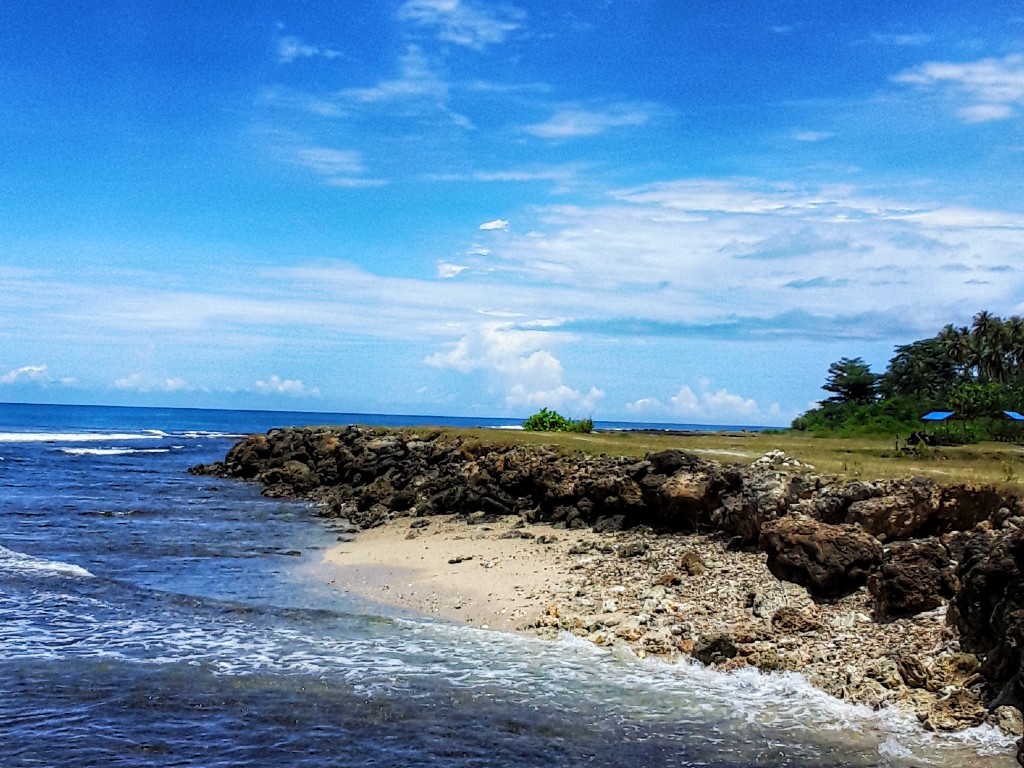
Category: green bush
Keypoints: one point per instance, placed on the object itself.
(552, 421)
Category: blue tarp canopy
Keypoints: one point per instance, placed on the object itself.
(938, 416)
(1014, 415)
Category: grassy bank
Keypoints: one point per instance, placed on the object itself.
(866, 458)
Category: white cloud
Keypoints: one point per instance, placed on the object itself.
(992, 87)
(574, 123)
(337, 167)
(31, 374)
(703, 404)
(811, 136)
(329, 162)
(447, 271)
(290, 387)
(466, 24)
(521, 363)
(915, 39)
(417, 81)
(139, 382)
(290, 48)
(497, 224)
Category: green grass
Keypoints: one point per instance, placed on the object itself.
(864, 458)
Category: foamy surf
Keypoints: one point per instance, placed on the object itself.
(112, 451)
(78, 437)
(19, 562)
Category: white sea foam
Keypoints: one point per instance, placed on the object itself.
(78, 437)
(112, 451)
(19, 562)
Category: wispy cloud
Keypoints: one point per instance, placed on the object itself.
(144, 382)
(811, 136)
(465, 24)
(417, 80)
(495, 225)
(901, 39)
(337, 167)
(574, 122)
(985, 90)
(290, 48)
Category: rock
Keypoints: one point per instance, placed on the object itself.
(829, 560)
(714, 649)
(633, 549)
(900, 514)
(762, 497)
(990, 610)
(791, 621)
(960, 709)
(691, 564)
(914, 577)
(1009, 721)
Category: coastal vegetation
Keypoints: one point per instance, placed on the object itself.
(976, 372)
(552, 421)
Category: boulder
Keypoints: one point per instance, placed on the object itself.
(915, 576)
(902, 513)
(828, 560)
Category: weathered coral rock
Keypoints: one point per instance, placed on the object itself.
(915, 576)
(829, 560)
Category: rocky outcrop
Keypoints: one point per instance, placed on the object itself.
(914, 577)
(941, 542)
(990, 610)
(829, 560)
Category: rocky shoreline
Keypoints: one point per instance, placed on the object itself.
(900, 593)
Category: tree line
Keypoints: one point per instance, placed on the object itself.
(976, 371)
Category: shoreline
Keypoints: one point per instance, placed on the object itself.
(722, 608)
(889, 594)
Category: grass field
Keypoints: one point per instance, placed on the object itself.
(999, 464)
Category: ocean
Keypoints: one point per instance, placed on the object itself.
(152, 618)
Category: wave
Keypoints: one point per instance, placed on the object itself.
(19, 562)
(113, 451)
(78, 437)
(115, 437)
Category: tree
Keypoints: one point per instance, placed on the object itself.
(851, 381)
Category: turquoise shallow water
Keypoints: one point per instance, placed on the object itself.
(153, 618)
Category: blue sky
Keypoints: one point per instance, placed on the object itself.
(654, 211)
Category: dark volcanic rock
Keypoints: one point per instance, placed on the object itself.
(829, 560)
(915, 576)
(990, 610)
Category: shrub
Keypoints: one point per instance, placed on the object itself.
(552, 421)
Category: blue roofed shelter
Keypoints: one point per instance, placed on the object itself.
(935, 416)
(945, 417)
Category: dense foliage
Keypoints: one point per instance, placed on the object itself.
(552, 421)
(976, 371)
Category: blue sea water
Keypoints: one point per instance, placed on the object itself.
(152, 618)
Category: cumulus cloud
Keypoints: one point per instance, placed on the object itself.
(290, 48)
(521, 362)
(992, 87)
(275, 385)
(703, 404)
(497, 224)
(33, 374)
(466, 24)
(572, 123)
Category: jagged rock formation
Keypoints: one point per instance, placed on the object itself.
(915, 544)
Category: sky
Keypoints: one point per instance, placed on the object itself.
(660, 211)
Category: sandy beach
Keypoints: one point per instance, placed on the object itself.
(497, 576)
